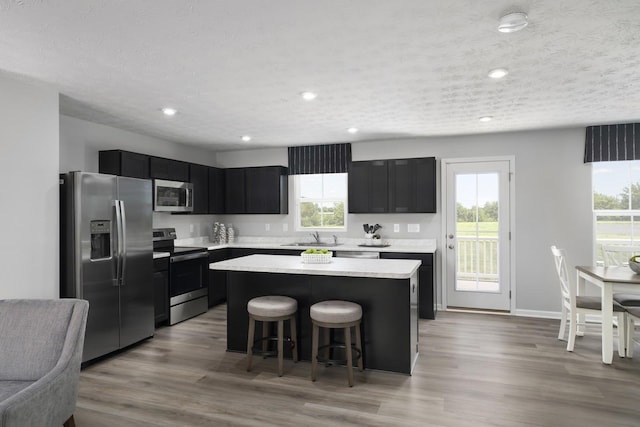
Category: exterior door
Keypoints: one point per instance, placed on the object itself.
(477, 240)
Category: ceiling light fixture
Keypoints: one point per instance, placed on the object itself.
(498, 73)
(308, 96)
(485, 119)
(352, 130)
(168, 111)
(246, 138)
(512, 22)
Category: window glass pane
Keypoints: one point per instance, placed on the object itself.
(333, 214)
(310, 214)
(334, 186)
(610, 185)
(310, 186)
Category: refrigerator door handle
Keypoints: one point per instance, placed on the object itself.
(118, 227)
(123, 253)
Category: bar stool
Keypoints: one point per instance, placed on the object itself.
(272, 308)
(336, 314)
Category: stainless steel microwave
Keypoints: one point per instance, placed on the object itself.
(172, 196)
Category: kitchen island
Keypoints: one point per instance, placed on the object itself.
(387, 290)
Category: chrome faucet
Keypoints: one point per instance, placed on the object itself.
(316, 236)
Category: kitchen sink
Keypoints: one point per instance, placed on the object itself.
(316, 244)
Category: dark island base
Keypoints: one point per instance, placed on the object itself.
(389, 324)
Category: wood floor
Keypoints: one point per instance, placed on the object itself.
(473, 370)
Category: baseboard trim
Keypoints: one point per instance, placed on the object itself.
(538, 313)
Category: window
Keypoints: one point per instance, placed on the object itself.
(321, 201)
(616, 204)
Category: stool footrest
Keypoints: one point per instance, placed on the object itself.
(328, 362)
(257, 346)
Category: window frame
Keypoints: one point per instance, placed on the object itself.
(297, 199)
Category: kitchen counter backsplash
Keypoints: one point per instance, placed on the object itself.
(344, 244)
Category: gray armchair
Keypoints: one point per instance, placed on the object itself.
(41, 345)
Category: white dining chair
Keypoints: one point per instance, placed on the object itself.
(574, 304)
(618, 255)
(633, 316)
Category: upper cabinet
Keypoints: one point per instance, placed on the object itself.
(234, 191)
(123, 163)
(199, 177)
(173, 170)
(393, 186)
(216, 190)
(257, 190)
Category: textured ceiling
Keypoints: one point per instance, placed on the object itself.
(402, 68)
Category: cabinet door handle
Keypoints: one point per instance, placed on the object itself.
(450, 246)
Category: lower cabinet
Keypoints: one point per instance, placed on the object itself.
(161, 289)
(427, 292)
(217, 279)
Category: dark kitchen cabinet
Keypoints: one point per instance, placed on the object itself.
(427, 291)
(173, 170)
(258, 190)
(199, 177)
(234, 191)
(216, 191)
(123, 163)
(393, 186)
(368, 182)
(412, 185)
(217, 279)
(266, 190)
(161, 289)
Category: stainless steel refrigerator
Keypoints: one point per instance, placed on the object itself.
(106, 257)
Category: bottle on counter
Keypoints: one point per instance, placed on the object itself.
(231, 233)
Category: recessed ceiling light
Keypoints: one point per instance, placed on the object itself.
(513, 22)
(498, 73)
(308, 96)
(168, 111)
(246, 138)
(485, 119)
(352, 130)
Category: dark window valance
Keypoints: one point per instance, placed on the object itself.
(609, 143)
(329, 158)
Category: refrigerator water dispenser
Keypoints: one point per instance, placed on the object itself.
(100, 239)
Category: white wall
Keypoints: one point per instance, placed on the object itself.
(29, 188)
(80, 142)
(552, 201)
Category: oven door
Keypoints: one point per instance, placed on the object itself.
(188, 273)
(172, 196)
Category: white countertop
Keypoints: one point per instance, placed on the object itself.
(347, 244)
(157, 255)
(351, 267)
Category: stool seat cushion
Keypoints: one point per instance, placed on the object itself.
(335, 311)
(272, 306)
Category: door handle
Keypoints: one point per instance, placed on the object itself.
(451, 236)
(123, 224)
(450, 246)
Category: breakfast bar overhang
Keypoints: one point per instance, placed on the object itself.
(387, 290)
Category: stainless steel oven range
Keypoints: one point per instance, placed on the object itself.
(188, 276)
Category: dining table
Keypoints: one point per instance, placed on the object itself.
(609, 280)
